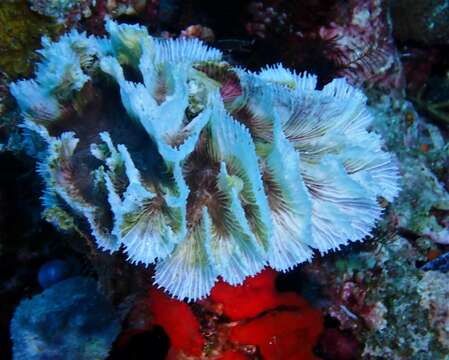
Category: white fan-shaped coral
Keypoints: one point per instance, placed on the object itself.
(143, 147)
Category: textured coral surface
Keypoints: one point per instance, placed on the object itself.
(70, 318)
(210, 170)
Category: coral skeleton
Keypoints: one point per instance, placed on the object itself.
(204, 169)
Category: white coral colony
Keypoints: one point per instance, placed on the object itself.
(204, 169)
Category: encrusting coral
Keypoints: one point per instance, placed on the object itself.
(70, 320)
(248, 321)
(205, 169)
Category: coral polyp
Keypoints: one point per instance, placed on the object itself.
(180, 159)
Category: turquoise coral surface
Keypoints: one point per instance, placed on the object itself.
(171, 154)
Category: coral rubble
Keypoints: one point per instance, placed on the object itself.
(169, 152)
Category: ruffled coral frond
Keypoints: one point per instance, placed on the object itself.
(35, 102)
(231, 142)
(59, 172)
(60, 71)
(342, 210)
(184, 50)
(127, 41)
(299, 83)
(187, 273)
(233, 249)
(376, 170)
(290, 205)
(323, 122)
(253, 108)
(145, 224)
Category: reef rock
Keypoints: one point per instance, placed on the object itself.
(434, 293)
(421, 21)
(62, 9)
(70, 318)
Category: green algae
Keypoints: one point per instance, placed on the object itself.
(20, 36)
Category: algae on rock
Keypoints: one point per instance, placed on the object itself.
(20, 36)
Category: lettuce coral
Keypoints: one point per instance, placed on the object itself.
(205, 169)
